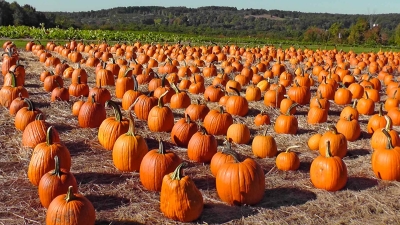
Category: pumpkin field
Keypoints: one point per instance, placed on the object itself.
(243, 135)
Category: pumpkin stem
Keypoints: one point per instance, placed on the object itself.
(13, 79)
(57, 172)
(290, 108)
(70, 195)
(236, 90)
(163, 80)
(135, 83)
(161, 149)
(203, 130)
(380, 112)
(291, 147)
(333, 129)
(131, 129)
(388, 122)
(31, 106)
(355, 103)
(117, 110)
(176, 89)
(188, 120)
(328, 149)
(127, 71)
(265, 131)
(93, 98)
(176, 175)
(389, 144)
(160, 102)
(49, 136)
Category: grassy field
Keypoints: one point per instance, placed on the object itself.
(119, 198)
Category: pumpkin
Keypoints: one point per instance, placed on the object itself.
(379, 139)
(338, 142)
(262, 119)
(392, 102)
(182, 131)
(55, 183)
(79, 73)
(264, 146)
(25, 115)
(202, 146)
(286, 103)
(313, 141)
(366, 106)
(196, 86)
(288, 160)
(180, 99)
(217, 122)
(100, 94)
(286, 123)
(253, 93)
(350, 110)
(129, 149)
(386, 161)
(222, 157)
(70, 207)
(78, 89)
(59, 93)
(18, 71)
(130, 96)
(42, 160)
(376, 121)
(35, 132)
(124, 83)
(17, 104)
(112, 127)
(328, 172)
(143, 104)
(51, 82)
(317, 114)
(238, 133)
(179, 197)
(299, 94)
(160, 118)
(11, 92)
(91, 114)
(343, 96)
(155, 165)
(104, 77)
(197, 111)
(349, 127)
(239, 183)
(237, 105)
(273, 97)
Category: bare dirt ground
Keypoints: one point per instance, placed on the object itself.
(119, 198)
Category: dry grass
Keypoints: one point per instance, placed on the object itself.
(119, 198)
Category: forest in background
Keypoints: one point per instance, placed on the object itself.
(373, 29)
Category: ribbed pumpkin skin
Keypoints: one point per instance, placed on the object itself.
(182, 131)
(217, 123)
(16, 105)
(160, 119)
(109, 131)
(286, 124)
(91, 115)
(264, 146)
(35, 133)
(130, 97)
(240, 183)
(155, 166)
(51, 186)
(386, 163)
(76, 212)
(219, 159)
(42, 160)
(338, 144)
(24, 117)
(129, 150)
(202, 147)
(238, 133)
(180, 199)
(328, 173)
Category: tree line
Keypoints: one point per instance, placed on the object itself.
(375, 29)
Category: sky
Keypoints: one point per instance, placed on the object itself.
(321, 6)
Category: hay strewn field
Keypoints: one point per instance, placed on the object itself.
(119, 198)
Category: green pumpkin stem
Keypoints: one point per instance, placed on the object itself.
(160, 102)
(13, 79)
(57, 172)
(328, 153)
(70, 195)
(380, 111)
(161, 149)
(31, 106)
(388, 122)
(49, 136)
(131, 129)
(176, 175)
(117, 110)
(291, 147)
(389, 144)
(290, 109)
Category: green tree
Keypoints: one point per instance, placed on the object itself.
(357, 30)
(397, 35)
(334, 32)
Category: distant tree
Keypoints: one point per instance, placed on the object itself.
(397, 35)
(357, 30)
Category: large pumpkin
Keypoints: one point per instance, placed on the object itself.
(72, 209)
(91, 114)
(202, 146)
(182, 131)
(217, 122)
(239, 183)
(160, 118)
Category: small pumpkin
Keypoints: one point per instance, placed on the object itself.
(179, 197)
(238, 133)
(155, 165)
(262, 119)
(160, 118)
(288, 160)
(237, 105)
(91, 113)
(264, 146)
(338, 142)
(217, 122)
(182, 131)
(202, 146)
(313, 141)
(328, 172)
(286, 123)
